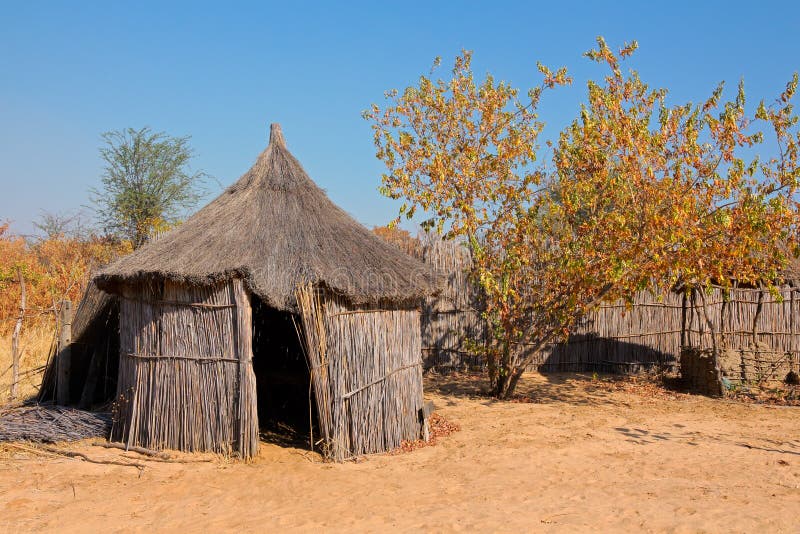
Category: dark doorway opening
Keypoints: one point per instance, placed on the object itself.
(93, 356)
(286, 407)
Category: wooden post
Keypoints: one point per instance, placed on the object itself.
(15, 338)
(64, 362)
(247, 431)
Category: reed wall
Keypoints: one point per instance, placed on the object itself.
(366, 372)
(761, 328)
(452, 318)
(758, 332)
(185, 372)
(621, 338)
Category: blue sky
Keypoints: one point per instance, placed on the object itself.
(221, 72)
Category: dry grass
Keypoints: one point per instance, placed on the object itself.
(35, 344)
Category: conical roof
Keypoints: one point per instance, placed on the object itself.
(276, 229)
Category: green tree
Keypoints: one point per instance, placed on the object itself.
(147, 185)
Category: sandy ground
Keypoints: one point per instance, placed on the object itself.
(585, 455)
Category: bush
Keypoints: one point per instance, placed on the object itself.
(54, 268)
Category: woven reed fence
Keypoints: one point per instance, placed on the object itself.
(758, 332)
(760, 328)
(621, 338)
(614, 338)
(366, 371)
(453, 318)
(185, 373)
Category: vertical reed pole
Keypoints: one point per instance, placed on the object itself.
(684, 326)
(64, 362)
(15, 337)
(247, 417)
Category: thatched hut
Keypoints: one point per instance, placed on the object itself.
(266, 294)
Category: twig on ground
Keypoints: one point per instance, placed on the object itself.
(140, 450)
(55, 451)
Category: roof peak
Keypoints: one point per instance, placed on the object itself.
(276, 135)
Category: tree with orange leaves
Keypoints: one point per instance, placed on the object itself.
(635, 194)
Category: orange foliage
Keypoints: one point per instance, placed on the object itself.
(53, 269)
(398, 237)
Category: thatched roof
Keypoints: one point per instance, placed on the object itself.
(276, 229)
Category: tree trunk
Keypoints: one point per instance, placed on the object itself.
(64, 362)
(492, 364)
(683, 322)
(502, 373)
(756, 317)
(516, 374)
(516, 368)
(714, 345)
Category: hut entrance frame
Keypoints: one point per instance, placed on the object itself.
(283, 380)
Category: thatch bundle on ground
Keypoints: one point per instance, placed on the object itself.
(48, 423)
(212, 337)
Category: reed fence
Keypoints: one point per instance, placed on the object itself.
(621, 338)
(453, 318)
(758, 332)
(618, 337)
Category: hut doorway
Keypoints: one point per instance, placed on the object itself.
(286, 411)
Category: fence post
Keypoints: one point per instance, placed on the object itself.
(63, 363)
(15, 338)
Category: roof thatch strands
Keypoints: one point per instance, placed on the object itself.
(276, 229)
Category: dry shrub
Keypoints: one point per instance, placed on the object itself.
(400, 238)
(35, 344)
(53, 269)
(645, 386)
(775, 395)
(665, 387)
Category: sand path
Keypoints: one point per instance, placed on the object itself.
(582, 457)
